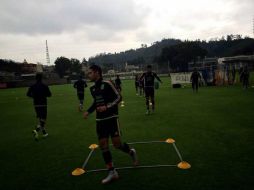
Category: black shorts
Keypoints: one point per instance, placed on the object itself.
(81, 96)
(41, 112)
(108, 128)
(149, 92)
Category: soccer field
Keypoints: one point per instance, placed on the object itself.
(213, 130)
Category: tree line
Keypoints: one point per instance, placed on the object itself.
(167, 52)
(176, 53)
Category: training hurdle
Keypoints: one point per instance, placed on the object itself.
(182, 164)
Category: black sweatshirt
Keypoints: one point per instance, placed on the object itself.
(105, 94)
(149, 79)
(39, 92)
(80, 85)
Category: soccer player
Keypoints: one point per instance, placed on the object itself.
(80, 85)
(118, 84)
(137, 84)
(106, 99)
(141, 87)
(195, 77)
(39, 92)
(245, 75)
(148, 78)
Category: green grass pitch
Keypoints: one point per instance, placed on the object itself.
(213, 130)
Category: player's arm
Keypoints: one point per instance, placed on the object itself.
(199, 76)
(48, 93)
(113, 93)
(75, 85)
(158, 78)
(29, 92)
(142, 77)
(90, 110)
(85, 84)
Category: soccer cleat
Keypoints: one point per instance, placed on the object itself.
(80, 108)
(38, 127)
(36, 136)
(147, 112)
(112, 175)
(45, 135)
(134, 157)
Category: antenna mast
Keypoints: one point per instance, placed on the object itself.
(47, 54)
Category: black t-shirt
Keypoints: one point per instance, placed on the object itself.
(195, 76)
(80, 85)
(39, 92)
(105, 94)
(148, 78)
(118, 82)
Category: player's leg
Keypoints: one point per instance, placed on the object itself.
(147, 95)
(103, 136)
(117, 143)
(81, 101)
(152, 99)
(197, 86)
(43, 118)
(38, 127)
(107, 157)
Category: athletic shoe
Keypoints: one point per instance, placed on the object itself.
(112, 175)
(134, 157)
(38, 127)
(45, 135)
(36, 136)
(147, 112)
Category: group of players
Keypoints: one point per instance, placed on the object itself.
(106, 97)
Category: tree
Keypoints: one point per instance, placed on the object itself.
(62, 65)
(181, 54)
(84, 62)
(75, 66)
(10, 66)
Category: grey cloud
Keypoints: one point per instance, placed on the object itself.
(49, 17)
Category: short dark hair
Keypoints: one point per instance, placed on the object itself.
(96, 68)
(149, 66)
(38, 76)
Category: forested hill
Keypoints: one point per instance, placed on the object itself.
(231, 46)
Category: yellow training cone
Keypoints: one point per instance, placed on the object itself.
(78, 171)
(170, 141)
(93, 146)
(183, 165)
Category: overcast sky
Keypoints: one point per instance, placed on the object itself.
(84, 28)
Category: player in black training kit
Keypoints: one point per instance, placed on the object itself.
(80, 85)
(136, 84)
(195, 76)
(148, 78)
(39, 92)
(118, 84)
(106, 100)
